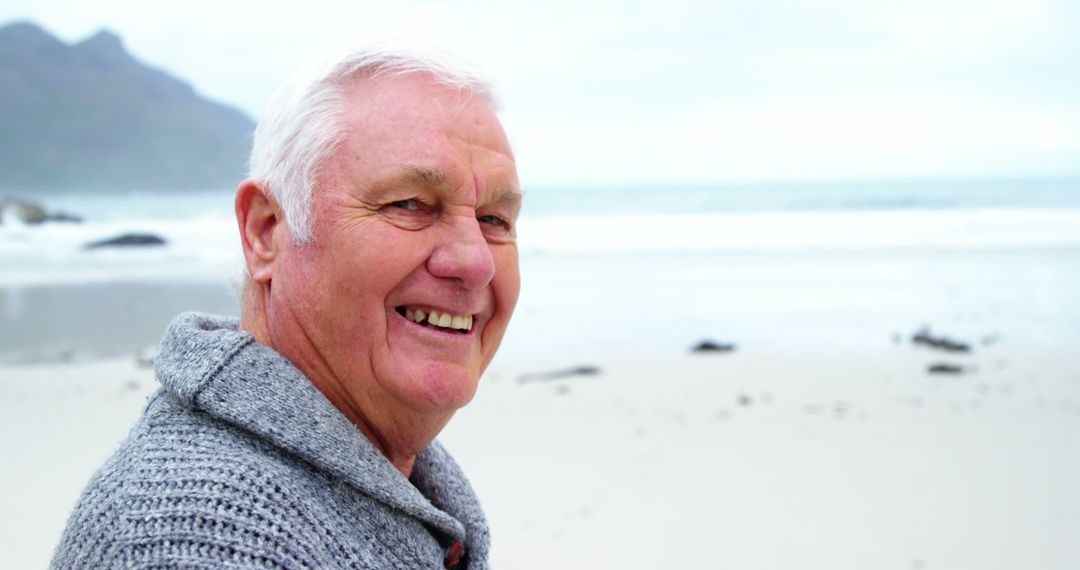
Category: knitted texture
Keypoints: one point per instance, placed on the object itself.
(239, 462)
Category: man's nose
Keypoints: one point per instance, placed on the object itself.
(463, 254)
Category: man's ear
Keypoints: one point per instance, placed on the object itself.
(259, 217)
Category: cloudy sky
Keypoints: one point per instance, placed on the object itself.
(626, 92)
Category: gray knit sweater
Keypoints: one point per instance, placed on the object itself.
(239, 462)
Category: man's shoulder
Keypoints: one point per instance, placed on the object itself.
(176, 443)
(186, 486)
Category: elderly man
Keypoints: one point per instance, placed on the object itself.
(378, 229)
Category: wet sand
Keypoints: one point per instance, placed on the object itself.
(87, 321)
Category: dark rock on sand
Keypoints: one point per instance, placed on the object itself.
(127, 240)
(924, 337)
(713, 346)
(945, 368)
(582, 370)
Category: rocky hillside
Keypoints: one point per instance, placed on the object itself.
(89, 116)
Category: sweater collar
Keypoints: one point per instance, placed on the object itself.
(211, 365)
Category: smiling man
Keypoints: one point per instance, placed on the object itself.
(378, 229)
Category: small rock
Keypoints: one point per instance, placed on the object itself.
(30, 213)
(924, 337)
(744, 400)
(33, 213)
(127, 240)
(713, 346)
(945, 368)
(64, 217)
(581, 370)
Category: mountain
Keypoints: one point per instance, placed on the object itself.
(89, 116)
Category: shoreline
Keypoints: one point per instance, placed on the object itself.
(608, 304)
(85, 322)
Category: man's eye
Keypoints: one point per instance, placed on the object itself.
(410, 204)
(493, 221)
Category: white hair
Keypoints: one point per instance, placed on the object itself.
(303, 124)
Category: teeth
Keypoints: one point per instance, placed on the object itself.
(443, 320)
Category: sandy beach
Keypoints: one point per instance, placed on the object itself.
(751, 459)
(870, 212)
(822, 441)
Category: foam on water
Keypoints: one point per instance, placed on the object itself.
(935, 230)
(201, 245)
(204, 246)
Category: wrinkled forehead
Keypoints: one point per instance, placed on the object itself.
(470, 87)
(418, 94)
(416, 109)
(404, 125)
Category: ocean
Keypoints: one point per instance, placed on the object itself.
(634, 271)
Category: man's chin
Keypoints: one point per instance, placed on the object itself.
(435, 387)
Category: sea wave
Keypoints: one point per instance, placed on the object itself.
(201, 248)
(204, 246)
(884, 230)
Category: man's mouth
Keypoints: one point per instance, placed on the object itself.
(437, 320)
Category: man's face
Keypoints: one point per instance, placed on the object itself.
(415, 215)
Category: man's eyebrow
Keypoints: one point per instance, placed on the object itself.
(431, 177)
(507, 197)
(406, 175)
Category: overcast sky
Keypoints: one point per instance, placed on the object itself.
(618, 92)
